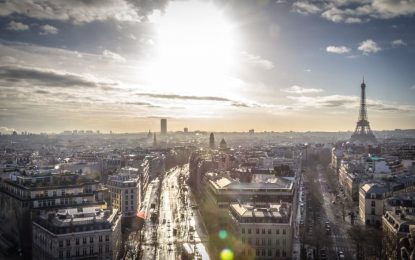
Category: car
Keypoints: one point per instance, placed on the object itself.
(340, 255)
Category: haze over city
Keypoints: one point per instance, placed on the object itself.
(206, 65)
(207, 129)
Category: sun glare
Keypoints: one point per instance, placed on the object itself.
(195, 47)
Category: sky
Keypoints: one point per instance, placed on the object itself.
(233, 65)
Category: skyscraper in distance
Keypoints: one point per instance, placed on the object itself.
(211, 141)
(163, 125)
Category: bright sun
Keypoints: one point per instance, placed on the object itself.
(195, 49)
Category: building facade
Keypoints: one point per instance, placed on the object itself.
(265, 230)
(77, 233)
(124, 193)
(371, 203)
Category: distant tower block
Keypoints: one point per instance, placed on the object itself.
(186, 130)
(363, 134)
(211, 141)
(154, 140)
(163, 126)
(222, 144)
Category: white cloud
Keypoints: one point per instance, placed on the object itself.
(355, 11)
(81, 11)
(308, 70)
(48, 29)
(346, 102)
(398, 42)
(257, 61)
(305, 8)
(17, 26)
(113, 56)
(338, 49)
(369, 46)
(300, 90)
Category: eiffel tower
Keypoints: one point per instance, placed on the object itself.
(363, 134)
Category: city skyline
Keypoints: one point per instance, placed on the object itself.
(205, 65)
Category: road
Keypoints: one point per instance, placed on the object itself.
(332, 215)
(179, 219)
(149, 231)
(168, 217)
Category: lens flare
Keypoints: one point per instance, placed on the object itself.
(223, 234)
(226, 254)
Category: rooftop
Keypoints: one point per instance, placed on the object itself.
(78, 219)
(272, 212)
(259, 181)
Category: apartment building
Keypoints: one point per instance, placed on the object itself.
(77, 233)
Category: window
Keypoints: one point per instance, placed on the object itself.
(243, 230)
(263, 251)
(60, 254)
(284, 253)
(373, 203)
(277, 242)
(269, 231)
(100, 249)
(68, 242)
(91, 240)
(269, 252)
(91, 250)
(249, 241)
(249, 231)
(373, 211)
(277, 253)
(77, 252)
(263, 241)
(283, 231)
(269, 241)
(126, 191)
(257, 252)
(77, 241)
(60, 243)
(257, 230)
(278, 231)
(263, 231)
(84, 251)
(243, 240)
(257, 242)
(84, 240)
(107, 248)
(132, 196)
(100, 238)
(107, 238)
(68, 253)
